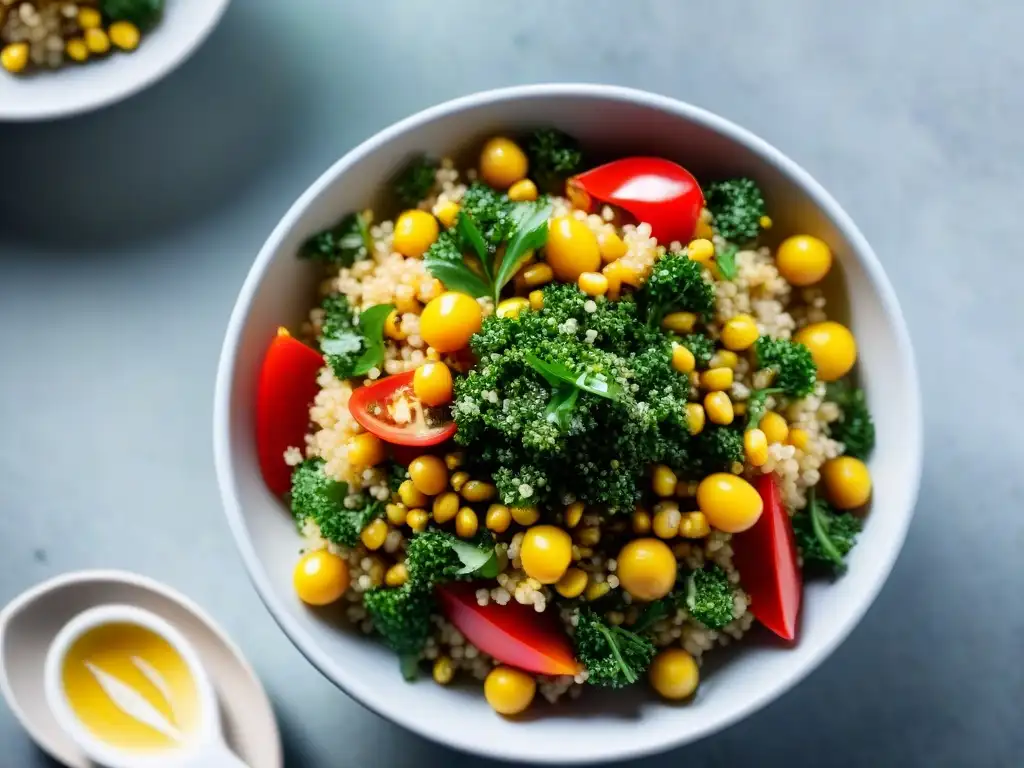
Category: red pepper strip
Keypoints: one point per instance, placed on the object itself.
(286, 387)
(652, 189)
(377, 395)
(514, 634)
(765, 556)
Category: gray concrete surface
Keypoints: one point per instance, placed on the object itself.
(125, 235)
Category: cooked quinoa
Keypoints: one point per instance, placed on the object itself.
(758, 292)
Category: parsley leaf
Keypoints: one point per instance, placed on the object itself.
(444, 261)
(530, 233)
(557, 374)
(365, 338)
(726, 261)
(560, 406)
(475, 561)
(343, 244)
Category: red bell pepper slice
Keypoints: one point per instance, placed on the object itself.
(286, 387)
(766, 558)
(514, 634)
(368, 406)
(652, 189)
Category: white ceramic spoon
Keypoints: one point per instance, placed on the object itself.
(201, 747)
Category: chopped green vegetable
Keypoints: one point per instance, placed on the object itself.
(416, 181)
(557, 374)
(702, 347)
(142, 13)
(401, 615)
(824, 536)
(794, 372)
(717, 448)
(353, 347)
(725, 260)
(491, 211)
(397, 474)
(435, 557)
(676, 284)
(709, 597)
(855, 428)
(319, 498)
(553, 156)
(614, 656)
(736, 206)
(343, 245)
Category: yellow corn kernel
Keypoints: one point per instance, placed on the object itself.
(96, 41)
(716, 379)
(396, 513)
(740, 333)
(718, 407)
(536, 300)
(89, 18)
(765, 222)
(701, 250)
(396, 575)
(446, 506)
(392, 326)
(573, 514)
(596, 590)
(365, 450)
(704, 229)
(724, 358)
(663, 481)
(476, 491)
(522, 190)
(694, 379)
(683, 359)
(695, 418)
(498, 518)
(410, 496)
(458, 480)
(572, 583)
(447, 212)
(739, 409)
(589, 536)
(525, 515)
(666, 519)
(537, 275)
(641, 521)
(686, 489)
(799, 438)
(374, 534)
(611, 246)
(679, 322)
(417, 519)
(433, 355)
(466, 523)
(593, 283)
(406, 301)
(443, 670)
(755, 447)
(582, 553)
(76, 49)
(775, 428)
(453, 460)
(124, 35)
(694, 525)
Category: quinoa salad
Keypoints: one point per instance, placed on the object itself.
(562, 424)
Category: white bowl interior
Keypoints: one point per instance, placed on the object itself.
(601, 726)
(73, 89)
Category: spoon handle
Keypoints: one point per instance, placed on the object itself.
(216, 755)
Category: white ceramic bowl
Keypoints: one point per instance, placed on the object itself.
(602, 726)
(75, 89)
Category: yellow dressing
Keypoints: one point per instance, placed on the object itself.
(131, 689)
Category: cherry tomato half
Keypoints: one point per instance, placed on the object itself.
(766, 558)
(286, 387)
(376, 407)
(652, 189)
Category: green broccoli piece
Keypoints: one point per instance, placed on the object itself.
(401, 616)
(736, 206)
(553, 155)
(702, 347)
(676, 283)
(614, 656)
(491, 211)
(325, 501)
(434, 557)
(142, 13)
(339, 325)
(344, 244)
(416, 181)
(794, 368)
(397, 474)
(855, 428)
(716, 449)
(709, 597)
(824, 536)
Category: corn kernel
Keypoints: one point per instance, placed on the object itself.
(446, 506)
(365, 450)
(765, 222)
(458, 480)
(443, 671)
(740, 333)
(573, 514)
(683, 359)
(89, 18)
(392, 327)
(695, 418)
(447, 213)
(466, 523)
(417, 519)
(453, 460)
(593, 283)
(498, 518)
(755, 447)
(704, 229)
(679, 322)
(536, 275)
(596, 590)
(96, 41)
(694, 525)
(396, 575)
(799, 438)
(774, 426)
(611, 247)
(476, 491)
(724, 358)
(525, 515)
(718, 407)
(522, 190)
(666, 519)
(716, 379)
(374, 534)
(641, 521)
(663, 480)
(572, 583)
(739, 409)
(124, 35)
(76, 49)
(589, 536)
(396, 513)
(536, 300)
(701, 250)
(410, 496)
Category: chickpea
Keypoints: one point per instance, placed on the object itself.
(449, 320)
(509, 691)
(647, 569)
(546, 553)
(365, 450)
(832, 346)
(730, 503)
(429, 474)
(502, 163)
(320, 578)
(674, 674)
(432, 384)
(803, 260)
(572, 249)
(847, 482)
(415, 232)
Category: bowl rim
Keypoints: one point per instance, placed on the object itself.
(350, 683)
(130, 87)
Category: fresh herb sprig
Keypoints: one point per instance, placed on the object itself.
(353, 348)
(344, 244)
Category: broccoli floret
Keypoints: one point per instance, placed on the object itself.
(401, 615)
(142, 13)
(716, 449)
(339, 326)
(676, 283)
(397, 474)
(855, 428)
(795, 371)
(709, 597)
(702, 347)
(435, 557)
(553, 155)
(824, 536)
(736, 206)
(416, 181)
(343, 244)
(317, 497)
(614, 656)
(491, 211)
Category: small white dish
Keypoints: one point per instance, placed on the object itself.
(31, 623)
(74, 89)
(197, 744)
